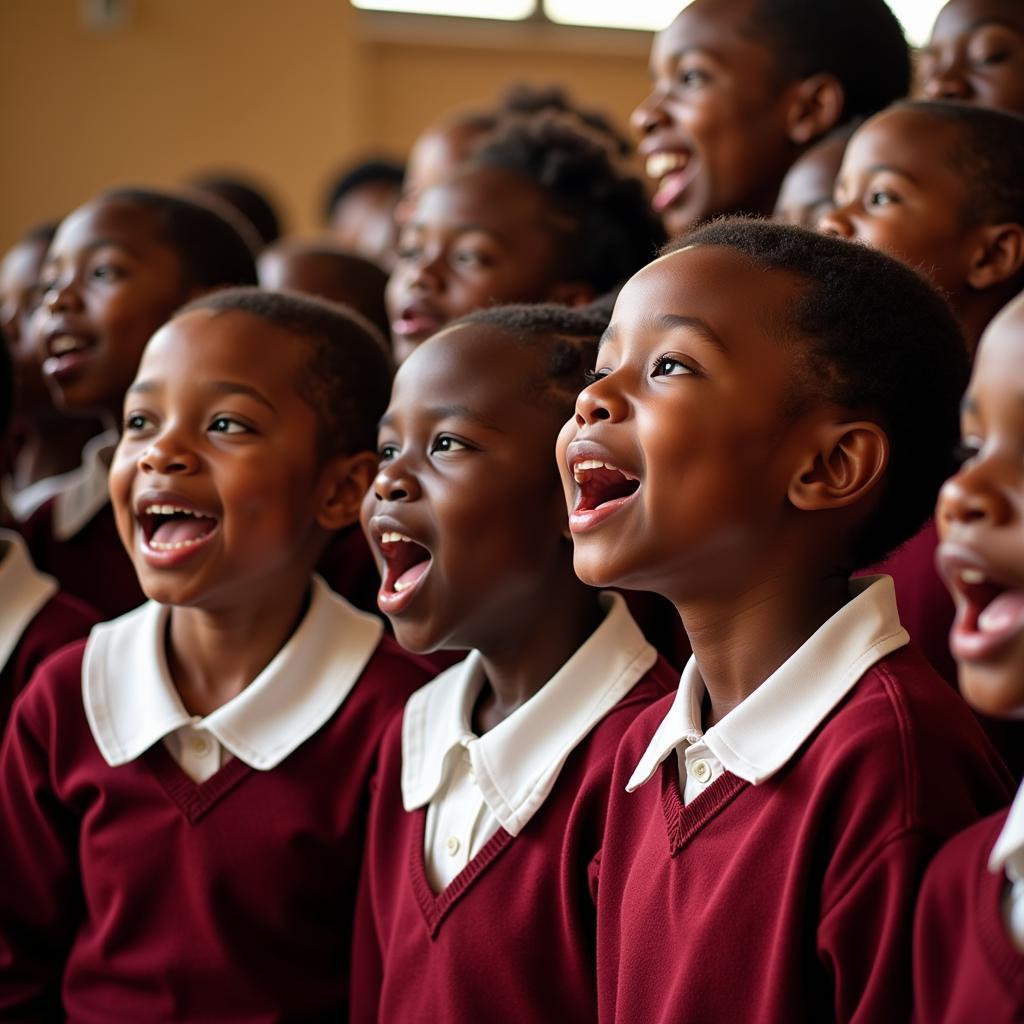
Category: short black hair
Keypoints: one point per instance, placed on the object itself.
(565, 336)
(372, 171)
(40, 234)
(988, 155)
(214, 253)
(860, 42)
(347, 377)
(611, 231)
(876, 336)
(251, 202)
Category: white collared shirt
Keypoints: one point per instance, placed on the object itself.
(85, 482)
(131, 702)
(23, 592)
(759, 736)
(474, 785)
(1008, 855)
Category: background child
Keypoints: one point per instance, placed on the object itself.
(359, 210)
(184, 796)
(806, 192)
(541, 213)
(742, 458)
(491, 794)
(743, 87)
(969, 956)
(976, 55)
(34, 619)
(117, 269)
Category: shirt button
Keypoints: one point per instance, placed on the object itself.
(701, 771)
(200, 746)
(452, 846)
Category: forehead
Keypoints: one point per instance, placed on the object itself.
(715, 26)
(999, 365)
(20, 265)
(959, 17)
(120, 223)
(488, 198)
(904, 140)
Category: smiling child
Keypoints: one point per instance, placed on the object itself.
(742, 87)
(475, 902)
(768, 824)
(969, 933)
(184, 796)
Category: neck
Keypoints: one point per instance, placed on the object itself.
(51, 447)
(214, 655)
(521, 661)
(740, 641)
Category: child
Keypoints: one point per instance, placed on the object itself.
(48, 444)
(742, 458)
(976, 55)
(743, 87)
(806, 192)
(489, 803)
(183, 797)
(541, 213)
(117, 269)
(969, 932)
(34, 619)
(360, 210)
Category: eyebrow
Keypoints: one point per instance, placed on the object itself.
(892, 169)
(217, 387)
(441, 412)
(672, 322)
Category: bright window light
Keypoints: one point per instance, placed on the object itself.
(917, 18)
(503, 10)
(640, 14)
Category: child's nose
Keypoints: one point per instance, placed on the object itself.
(62, 295)
(649, 114)
(166, 455)
(946, 83)
(393, 483)
(598, 402)
(836, 222)
(972, 496)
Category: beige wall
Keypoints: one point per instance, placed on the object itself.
(287, 89)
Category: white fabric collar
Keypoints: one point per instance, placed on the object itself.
(86, 492)
(23, 592)
(131, 703)
(758, 737)
(1008, 851)
(517, 762)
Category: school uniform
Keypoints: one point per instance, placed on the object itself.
(158, 866)
(35, 619)
(766, 870)
(475, 900)
(969, 931)
(74, 538)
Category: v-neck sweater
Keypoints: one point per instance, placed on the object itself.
(132, 893)
(512, 937)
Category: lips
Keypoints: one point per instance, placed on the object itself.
(406, 566)
(603, 489)
(172, 530)
(674, 170)
(66, 350)
(418, 322)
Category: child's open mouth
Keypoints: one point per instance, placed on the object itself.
(172, 532)
(988, 614)
(65, 352)
(603, 490)
(406, 564)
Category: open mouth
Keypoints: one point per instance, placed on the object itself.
(673, 171)
(988, 613)
(65, 351)
(174, 528)
(406, 564)
(603, 489)
(417, 322)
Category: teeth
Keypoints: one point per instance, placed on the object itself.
(660, 164)
(580, 468)
(170, 510)
(158, 546)
(63, 344)
(971, 576)
(394, 538)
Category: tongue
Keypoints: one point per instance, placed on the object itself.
(176, 531)
(411, 576)
(1002, 612)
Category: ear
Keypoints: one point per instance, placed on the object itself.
(816, 104)
(849, 461)
(998, 256)
(572, 293)
(344, 481)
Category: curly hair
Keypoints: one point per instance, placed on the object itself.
(609, 229)
(875, 336)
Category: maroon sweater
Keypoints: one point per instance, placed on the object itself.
(135, 894)
(791, 900)
(60, 621)
(512, 937)
(966, 968)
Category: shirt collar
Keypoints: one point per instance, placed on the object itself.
(131, 703)
(86, 490)
(1008, 851)
(517, 762)
(758, 737)
(23, 592)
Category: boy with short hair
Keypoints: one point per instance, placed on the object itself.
(117, 269)
(183, 798)
(742, 459)
(743, 87)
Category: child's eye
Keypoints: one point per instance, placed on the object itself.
(593, 376)
(107, 272)
(669, 366)
(966, 450)
(447, 443)
(469, 258)
(408, 252)
(228, 425)
(386, 452)
(693, 77)
(136, 421)
(883, 197)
